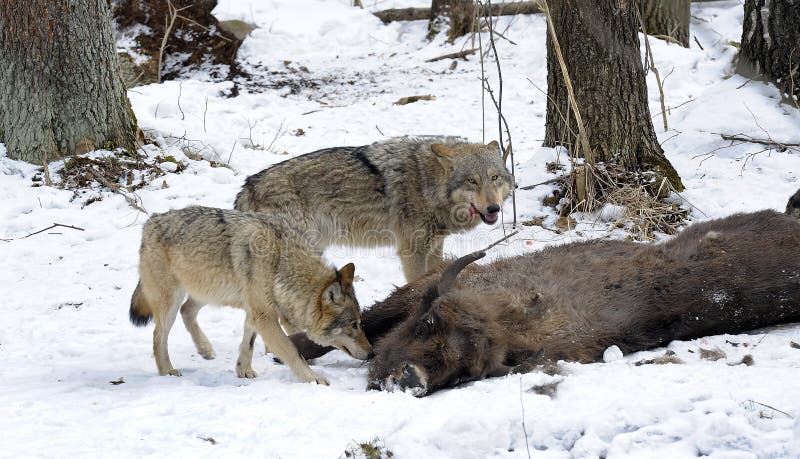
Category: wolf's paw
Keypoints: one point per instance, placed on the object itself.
(248, 373)
(207, 353)
(173, 372)
(321, 380)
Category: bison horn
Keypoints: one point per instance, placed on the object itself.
(449, 275)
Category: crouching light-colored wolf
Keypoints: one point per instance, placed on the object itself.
(408, 192)
(252, 261)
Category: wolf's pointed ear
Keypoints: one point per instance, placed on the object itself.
(493, 144)
(442, 150)
(346, 274)
(332, 294)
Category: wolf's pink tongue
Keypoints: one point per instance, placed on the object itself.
(491, 218)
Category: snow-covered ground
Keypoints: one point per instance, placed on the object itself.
(64, 293)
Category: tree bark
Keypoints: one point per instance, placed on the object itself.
(667, 18)
(771, 43)
(60, 88)
(600, 44)
(462, 16)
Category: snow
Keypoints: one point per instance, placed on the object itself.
(65, 292)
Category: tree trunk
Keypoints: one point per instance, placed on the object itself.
(667, 18)
(600, 44)
(60, 88)
(434, 17)
(771, 43)
(462, 17)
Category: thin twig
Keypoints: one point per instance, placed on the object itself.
(203, 27)
(116, 189)
(781, 146)
(50, 227)
(169, 23)
(205, 111)
(501, 119)
(698, 43)
(524, 429)
(277, 133)
(47, 180)
(546, 182)
(504, 238)
(456, 55)
(654, 69)
(483, 89)
(583, 137)
(180, 90)
(673, 108)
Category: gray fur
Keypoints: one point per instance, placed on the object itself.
(248, 260)
(399, 192)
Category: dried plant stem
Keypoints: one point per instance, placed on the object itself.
(652, 66)
(586, 184)
(507, 150)
(169, 23)
(116, 189)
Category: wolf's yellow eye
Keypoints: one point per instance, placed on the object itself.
(354, 325)
(495, 177)
(472, 181)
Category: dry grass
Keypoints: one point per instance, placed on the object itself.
(374, 449)
(121, 172)
(645, 213)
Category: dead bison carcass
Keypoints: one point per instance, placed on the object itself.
(572, 302)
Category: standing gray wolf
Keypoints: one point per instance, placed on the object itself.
(407, 192)
(572, 302)
(251, 261)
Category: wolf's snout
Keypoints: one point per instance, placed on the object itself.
(493, 209)
(358, 352)
(370, 355)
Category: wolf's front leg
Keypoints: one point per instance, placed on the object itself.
(266, 323)
(435, 254)
(413, 255)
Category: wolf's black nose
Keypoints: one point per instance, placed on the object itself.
(370, 355)
(493, 209)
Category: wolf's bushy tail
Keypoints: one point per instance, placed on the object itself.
(793, 206)
(140, 312)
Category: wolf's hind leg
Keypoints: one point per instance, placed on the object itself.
(244, 364)
(169, 301)
(189, 312)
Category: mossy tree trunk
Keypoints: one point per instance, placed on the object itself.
(667, 18)
(600, 44)
(771, 43)
(60, 87)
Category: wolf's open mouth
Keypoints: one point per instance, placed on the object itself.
(489, 219)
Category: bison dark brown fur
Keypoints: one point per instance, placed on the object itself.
(571, 302)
